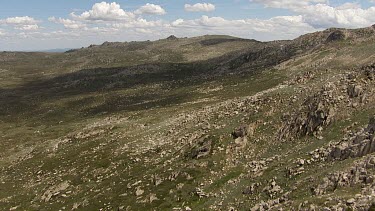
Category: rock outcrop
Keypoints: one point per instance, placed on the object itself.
(358, 145)
(201, 149)
(316, 112)
(354, 91)
(240, 132)
(359, 173)
(337, 35)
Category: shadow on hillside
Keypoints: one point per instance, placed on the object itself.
(101, 85)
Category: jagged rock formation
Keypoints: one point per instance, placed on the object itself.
(358, 145)
(317, 112)
(337, 35)
(354, 91)
(201, 148)
(369, 71)
(359, 173)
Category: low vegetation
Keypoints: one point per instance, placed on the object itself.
(205, 123)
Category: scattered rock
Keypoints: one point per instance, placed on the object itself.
(54, 191)
(201, 193)
(272, 189)
(153, 197)
(139, 191)
(350, 201)
(251, 189)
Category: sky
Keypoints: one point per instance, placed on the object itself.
(30, 25)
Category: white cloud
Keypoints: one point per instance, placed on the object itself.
(200, 7)
(287, 3)
(144, 31)
(25, 20)
(281, 27)
(24, 23)
(349, 5)
(150, 9)
(138, 23)
(320, 14)
(69, 24)
(105, 12)
(109, 17)
(178, 22)
(27, 27)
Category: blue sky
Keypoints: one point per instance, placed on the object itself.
(44, 8)
(46, 24)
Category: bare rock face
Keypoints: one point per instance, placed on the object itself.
(371, 125)
(369, 71)
(354, 91)
(202, 148)
(54, 191)
(337, 35)
(172, 37)
(316, 112)
(359, 145)
(357, 174)
(240, 132)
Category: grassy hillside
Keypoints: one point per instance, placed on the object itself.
(206, 123)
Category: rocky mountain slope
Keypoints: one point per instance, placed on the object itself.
(205, 123)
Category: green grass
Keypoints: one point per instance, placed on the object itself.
(151, 89)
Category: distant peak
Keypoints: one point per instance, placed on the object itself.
(172, 37)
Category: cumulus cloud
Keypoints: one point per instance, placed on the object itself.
(349, 5)
(110, 18)
(105, 12)
(25, 23)
(150, 9)
(200, 7)
(69, 24)
(320, 14)
(281, 27)
(25, 20)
